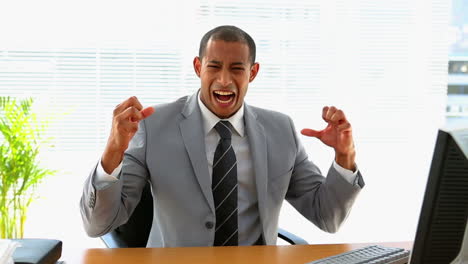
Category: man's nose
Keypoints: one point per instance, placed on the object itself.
(224, 78)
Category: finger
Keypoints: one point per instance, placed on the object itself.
(127, 127)
(324, 113)
(147, 111)
(131, 114)
(338, 117)
(311, 133)
(330, 112)
(344, 127)
(132, 101)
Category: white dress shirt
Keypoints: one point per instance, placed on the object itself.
(248, 212)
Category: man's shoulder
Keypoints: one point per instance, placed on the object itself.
(170, 108)
(178, 104)
(276, 125)
(268, 114)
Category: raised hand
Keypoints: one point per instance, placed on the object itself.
(338, 135)
(126, 117)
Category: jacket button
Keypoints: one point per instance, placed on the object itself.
(209, 224)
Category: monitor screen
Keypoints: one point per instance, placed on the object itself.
(444, 211)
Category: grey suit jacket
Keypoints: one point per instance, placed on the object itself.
(169, 151)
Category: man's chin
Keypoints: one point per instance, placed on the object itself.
(224, 110)
(224, 113)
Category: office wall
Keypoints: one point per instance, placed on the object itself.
(383, 62)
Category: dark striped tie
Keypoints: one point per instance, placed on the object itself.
(224, 186)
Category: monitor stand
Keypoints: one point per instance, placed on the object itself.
(462, 257)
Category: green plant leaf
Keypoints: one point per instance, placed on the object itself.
(20, 170)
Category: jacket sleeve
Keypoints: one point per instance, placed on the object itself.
(103, 210)
(325, 201)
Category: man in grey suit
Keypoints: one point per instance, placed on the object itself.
(219, 168)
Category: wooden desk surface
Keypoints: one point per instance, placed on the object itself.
(254, 254)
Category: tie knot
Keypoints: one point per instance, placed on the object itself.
(223, 129)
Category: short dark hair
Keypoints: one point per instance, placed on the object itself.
(228, 34)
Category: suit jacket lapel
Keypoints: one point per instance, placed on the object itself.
(191, 129)
(258, 149)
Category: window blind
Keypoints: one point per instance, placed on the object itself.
(84, 85)
(383, 62)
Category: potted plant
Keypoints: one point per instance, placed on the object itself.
(20, 171)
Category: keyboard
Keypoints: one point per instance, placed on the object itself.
(369, 255)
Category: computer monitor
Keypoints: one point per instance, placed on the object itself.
(443, 219)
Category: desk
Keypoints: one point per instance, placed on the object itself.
(206, 255)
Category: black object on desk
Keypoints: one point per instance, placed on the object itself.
(37, 251)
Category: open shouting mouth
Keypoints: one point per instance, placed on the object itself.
(224, 97)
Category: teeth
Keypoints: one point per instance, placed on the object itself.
(223, 93)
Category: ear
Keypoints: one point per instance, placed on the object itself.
(197, 65)
(253, 71)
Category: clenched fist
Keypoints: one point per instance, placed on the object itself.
(338, 135)
(125, 121)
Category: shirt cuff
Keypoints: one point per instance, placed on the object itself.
(102, 179)
(349, 175)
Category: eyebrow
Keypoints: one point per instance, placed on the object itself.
(214, 61)
(232, 64)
